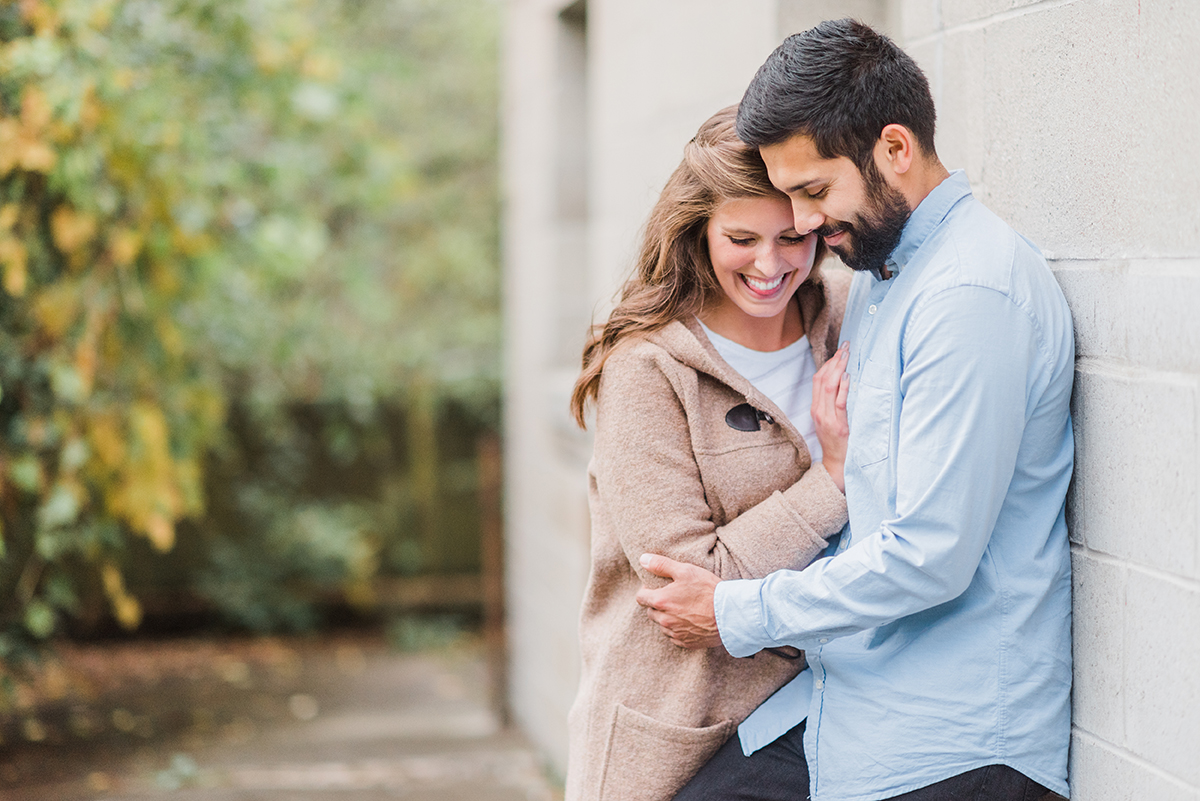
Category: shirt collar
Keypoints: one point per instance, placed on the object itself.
(927, 216)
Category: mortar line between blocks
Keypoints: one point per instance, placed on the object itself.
(1183, 582)
(1074, 262)
(998, 17)
(1125, 753)
(1116, 368)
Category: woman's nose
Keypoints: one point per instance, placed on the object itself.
(769, 260)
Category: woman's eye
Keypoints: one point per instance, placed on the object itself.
(737, 241)
(793, 240)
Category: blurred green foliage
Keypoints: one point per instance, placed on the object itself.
(242, 243)
(423, 633)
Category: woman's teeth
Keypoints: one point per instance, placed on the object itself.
(764, 286)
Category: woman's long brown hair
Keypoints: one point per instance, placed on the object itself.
(673, 277)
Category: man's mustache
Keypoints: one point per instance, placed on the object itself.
(831, 230)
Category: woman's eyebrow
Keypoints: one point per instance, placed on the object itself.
(748, 232)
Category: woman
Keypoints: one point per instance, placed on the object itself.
(696, 461)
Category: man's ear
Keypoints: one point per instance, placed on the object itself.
(895, 150)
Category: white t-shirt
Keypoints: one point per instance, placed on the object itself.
(785, 376)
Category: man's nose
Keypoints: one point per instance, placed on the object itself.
(807, 216)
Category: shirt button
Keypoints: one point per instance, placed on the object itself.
(823, 640)
(819, 684)
(872, 309)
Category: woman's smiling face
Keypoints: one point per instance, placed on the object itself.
(757, 255)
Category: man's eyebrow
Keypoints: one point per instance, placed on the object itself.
(804, 185)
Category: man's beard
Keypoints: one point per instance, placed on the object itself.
(874, 234)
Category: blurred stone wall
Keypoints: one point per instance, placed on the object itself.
(1072, 119)
(600, 99)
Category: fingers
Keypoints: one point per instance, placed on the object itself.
(666, 622)
(663, 619)
(842, 393)
(842, 357)
(647, 598)
(677, 630)
(830, 389)
(660, 565)
(827, 378)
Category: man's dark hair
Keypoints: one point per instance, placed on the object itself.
(839, 84)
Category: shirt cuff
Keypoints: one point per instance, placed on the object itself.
(738, 609)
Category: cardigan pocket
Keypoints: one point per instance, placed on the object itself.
(737, 479)
(648, 760)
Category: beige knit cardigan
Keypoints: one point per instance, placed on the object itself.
(668, 475)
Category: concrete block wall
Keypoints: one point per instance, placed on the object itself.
(542, 217)
(1072, 120)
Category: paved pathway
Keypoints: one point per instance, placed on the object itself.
(351, 722)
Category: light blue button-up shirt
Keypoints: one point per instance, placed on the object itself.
(939, 631)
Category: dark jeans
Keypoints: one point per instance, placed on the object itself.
(779, 772)
(775, 772)
(991, 783)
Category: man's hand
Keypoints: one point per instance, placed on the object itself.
(683, 608)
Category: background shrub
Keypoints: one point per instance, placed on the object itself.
(247, 250)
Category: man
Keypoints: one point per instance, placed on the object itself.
(938, 628)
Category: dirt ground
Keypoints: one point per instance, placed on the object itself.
(341, 717)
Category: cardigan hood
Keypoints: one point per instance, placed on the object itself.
(686, 342)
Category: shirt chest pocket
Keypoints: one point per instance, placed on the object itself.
(871, 419)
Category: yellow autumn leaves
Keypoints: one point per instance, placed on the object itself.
(125, 607)
(110, 424)
(145, 486)
(23, 146)
(13, 255)
(23, 138)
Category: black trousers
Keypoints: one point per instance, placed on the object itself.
(775, 772)
(990, 783)
(779, 772)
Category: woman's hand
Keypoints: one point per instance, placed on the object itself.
(830, 387)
